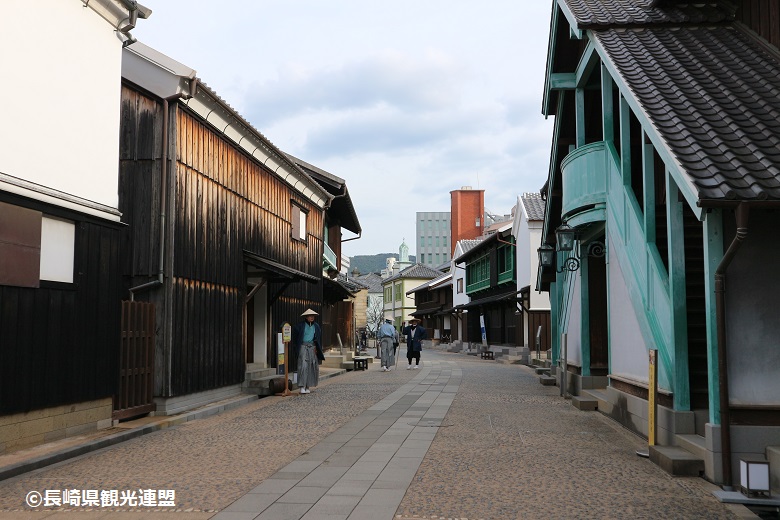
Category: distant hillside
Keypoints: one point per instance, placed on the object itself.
(373, 263)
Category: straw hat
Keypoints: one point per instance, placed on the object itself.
(309, 312)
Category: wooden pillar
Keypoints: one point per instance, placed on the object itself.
(713, 253)
(679, 336)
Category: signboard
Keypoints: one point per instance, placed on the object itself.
(482, 328)
(286, 332)
(281, 365)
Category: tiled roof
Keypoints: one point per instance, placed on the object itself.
(467, 244)
(371, 280)
(416, 271)
(534, 205)
(592, 14)
(351, 284)
(713, 94)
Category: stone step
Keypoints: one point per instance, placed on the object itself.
(584, 403)
(255, 373)
(695, 444)
(545, 371)
(677, 461)
(268, 385)
(547, 380)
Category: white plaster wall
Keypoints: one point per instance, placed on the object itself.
(538, 300)
(574, 326)
(261, 326)
(753, 327)
(61, 85)
(628, 351)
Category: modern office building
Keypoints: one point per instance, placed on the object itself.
(434, 244)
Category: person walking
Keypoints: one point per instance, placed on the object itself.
(387, 336)
(307, 338)
(415, 334)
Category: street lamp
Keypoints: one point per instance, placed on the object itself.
(564, 237)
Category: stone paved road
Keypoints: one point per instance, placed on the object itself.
(508, 448)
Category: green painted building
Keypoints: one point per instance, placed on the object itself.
(665, 164)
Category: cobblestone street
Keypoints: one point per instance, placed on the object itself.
(508, 447)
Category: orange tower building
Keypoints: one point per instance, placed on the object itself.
(467, 214)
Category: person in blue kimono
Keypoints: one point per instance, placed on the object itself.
(307, 339)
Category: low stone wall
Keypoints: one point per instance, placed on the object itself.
(23, 430)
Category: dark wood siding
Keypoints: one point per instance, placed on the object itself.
(763, 17)
(220, 203)
(59, 343)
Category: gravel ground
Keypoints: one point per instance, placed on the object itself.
(508, 448)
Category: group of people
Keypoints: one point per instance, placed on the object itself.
(307, 342)
(387, 336)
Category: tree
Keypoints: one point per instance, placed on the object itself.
(374, 313)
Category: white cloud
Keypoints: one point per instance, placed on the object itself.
(406, 101)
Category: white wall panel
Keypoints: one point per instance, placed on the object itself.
(61, 98)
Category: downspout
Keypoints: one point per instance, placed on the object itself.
(742, 214)
(163, 201)
(163, 190)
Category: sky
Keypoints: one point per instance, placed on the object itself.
(405, 100)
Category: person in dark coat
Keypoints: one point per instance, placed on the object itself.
(307, 339)
(415, 334)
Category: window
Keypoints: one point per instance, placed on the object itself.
(58, 238)
(398, 292)
(460, 285)
(298, 221)
(35, 247)
(20, 246)
(422, 258)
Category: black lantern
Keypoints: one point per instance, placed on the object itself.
(546, 255)
(564, 236)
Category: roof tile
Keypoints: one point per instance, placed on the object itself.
(713, 93)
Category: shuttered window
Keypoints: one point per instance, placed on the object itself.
(298, 221)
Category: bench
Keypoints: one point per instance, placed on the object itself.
(360, 362)
(487, 354)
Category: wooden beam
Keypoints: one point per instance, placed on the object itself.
(607, 105)
(713, 253)
(588, 61)
(563, 81)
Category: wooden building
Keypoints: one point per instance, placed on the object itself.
(59, 221)
(433, 303)
(338, 305)
(665, 172)
(491, 286)
(225, 232)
